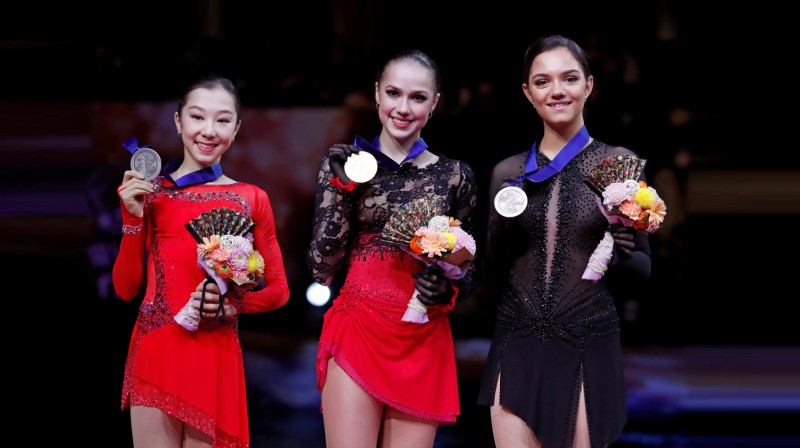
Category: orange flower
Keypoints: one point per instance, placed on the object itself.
(223, 270)
(415, 245)
(640, 223)
(657, 213)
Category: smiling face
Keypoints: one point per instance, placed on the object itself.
(557, 87)
(406, 96)
(208, 123)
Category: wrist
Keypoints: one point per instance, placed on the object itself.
(131, 224)
(337, 182)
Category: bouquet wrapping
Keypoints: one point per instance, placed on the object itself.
(624, 200)
(225, 252)
(422, 230)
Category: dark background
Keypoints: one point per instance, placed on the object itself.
(704, 94)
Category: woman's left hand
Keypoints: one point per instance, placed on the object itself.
(433, 286)
(623, 240)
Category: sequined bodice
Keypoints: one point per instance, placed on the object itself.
(543, 252)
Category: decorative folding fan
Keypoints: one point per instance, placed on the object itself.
(403, 224)
(225, 253)
(615, 169)
(219, 221)
(623, 199)
(421, 229)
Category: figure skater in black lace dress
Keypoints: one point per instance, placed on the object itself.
(386, 382)
(554, 373)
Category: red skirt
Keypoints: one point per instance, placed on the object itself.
(409, 366)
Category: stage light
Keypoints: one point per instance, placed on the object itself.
(318, 295)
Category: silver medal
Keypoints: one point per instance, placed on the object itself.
(147, 162)
(510, 201)
(361, 167)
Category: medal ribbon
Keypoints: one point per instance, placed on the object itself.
(570, 150)
(132, 145)
(200, 176)
(374, 148)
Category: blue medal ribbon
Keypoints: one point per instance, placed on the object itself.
(570, 150)
(132, 145)
(201, 176)
(374, 148)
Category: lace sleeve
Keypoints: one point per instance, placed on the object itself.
(465, 210)
(332, 210)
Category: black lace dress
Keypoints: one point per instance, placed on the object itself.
(406, 365)
(555, 331)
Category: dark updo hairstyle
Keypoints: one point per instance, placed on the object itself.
(421, 58)
(212, 82)
(551, 42)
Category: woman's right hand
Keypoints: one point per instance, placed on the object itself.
(133, 191)
(337, 156)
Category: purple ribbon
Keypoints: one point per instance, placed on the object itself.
(374, 148)
(570, 150)
(200, 176)
(132, 145)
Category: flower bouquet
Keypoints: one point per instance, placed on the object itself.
(225, 252)
(625, 200)
(420, 229)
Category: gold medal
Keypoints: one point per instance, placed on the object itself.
(361, 167)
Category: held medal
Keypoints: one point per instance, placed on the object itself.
(147, 162)
(510, 201)
(361, 167)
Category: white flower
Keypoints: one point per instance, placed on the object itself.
(632, 186)
(439, 223)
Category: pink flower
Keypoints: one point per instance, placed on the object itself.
(218, 255)
(433, 244)
(238, 259)
(463, 239)
(615, 194)
(631, 209)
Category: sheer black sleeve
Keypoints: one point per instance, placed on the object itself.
(331, 227)
(465, 206)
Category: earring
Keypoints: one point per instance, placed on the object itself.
(377, 105)
(430, 114)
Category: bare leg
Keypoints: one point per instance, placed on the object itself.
(581, 439)
(153, 428)
(194, 438)
(401, 430)
(509, 430)
(351, 416)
